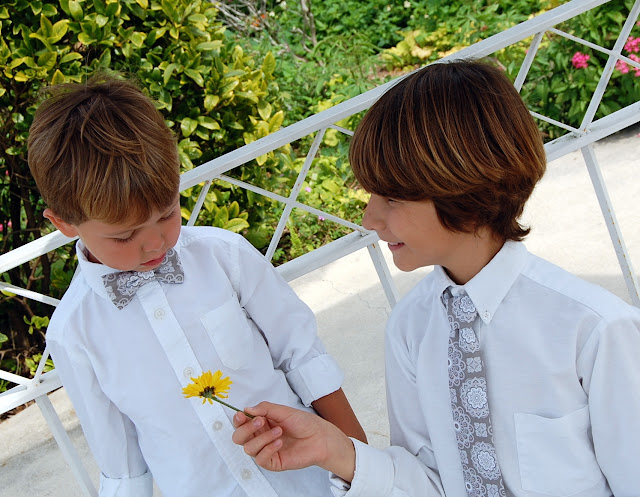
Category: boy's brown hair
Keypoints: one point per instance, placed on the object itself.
(102, 151)
(457, 134)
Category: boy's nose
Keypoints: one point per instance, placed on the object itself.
(371, 219)
(153, 241)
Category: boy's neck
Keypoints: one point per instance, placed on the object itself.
(472, 255)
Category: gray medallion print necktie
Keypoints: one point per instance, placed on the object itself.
(121, 287)
(469, 400)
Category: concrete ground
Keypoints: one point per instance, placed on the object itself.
(568, 230)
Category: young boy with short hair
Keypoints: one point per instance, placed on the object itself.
(154, 304)
(506, 375)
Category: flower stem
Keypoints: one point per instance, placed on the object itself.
(234, 408)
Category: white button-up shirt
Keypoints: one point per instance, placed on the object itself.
(125, 369)
(562, 358)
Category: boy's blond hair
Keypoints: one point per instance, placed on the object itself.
(102, 151)
(459, 135)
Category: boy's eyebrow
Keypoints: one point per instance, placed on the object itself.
(133, 228)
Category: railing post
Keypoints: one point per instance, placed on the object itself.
(66, 446)
(612, 224)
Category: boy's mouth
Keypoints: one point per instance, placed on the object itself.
(154, 262)
(395, 246)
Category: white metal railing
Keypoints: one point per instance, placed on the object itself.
(580, 138)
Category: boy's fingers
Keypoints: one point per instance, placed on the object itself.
(265, 457)
(239, 419)
(247, 429)
(261, 442)
(274, 412)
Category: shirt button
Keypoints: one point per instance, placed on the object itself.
(246, 474)
(217, 426)
(486, 315)
(188, 373)
(158, 314)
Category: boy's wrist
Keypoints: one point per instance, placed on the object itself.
(339, 454)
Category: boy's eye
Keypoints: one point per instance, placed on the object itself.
(170, 215)
(123, 240)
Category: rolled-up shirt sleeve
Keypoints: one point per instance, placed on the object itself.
(392, 472)
(408, 467)
(288, 326)
(110, 434)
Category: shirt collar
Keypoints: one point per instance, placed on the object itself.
(93, 272)
(488, 288)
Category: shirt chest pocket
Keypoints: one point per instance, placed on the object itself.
(230, 333)
(556, 455)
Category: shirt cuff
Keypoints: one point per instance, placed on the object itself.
(138, 486)
(373, 477)
(315, 378)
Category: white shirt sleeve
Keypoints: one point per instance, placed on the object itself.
(288, 326)
(392, 472)
(407, 468)
(110, 434)
(611, 377)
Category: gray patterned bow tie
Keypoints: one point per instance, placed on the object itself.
(121, 287)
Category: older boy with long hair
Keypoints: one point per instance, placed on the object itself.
(505, 374)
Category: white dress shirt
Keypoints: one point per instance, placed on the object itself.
(563, 375)
(125, 369)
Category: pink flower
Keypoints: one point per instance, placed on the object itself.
(320, 218)
(622, 66)
(307, 189)
(632, 45)
(636, 70)
(579, 60)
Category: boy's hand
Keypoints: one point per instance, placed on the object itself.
(283, 438)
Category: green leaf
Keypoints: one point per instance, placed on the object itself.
(3, 337)
(269, 64)
(210, 102)
(188, 126)
(264, 109)
(46, 28)
(209, 45)
(276, 121)
(57, 78)
(58, 30)
(168, 72)
(143, 3)
(75, 9)
(208, 123)
(195, 76)
(87, 39)
(330, 185)
(236, 225)
(47, 60)
(198, 18)
(70, 57)
(137, 39)
(221, 218)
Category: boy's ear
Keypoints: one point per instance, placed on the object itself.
(67, 229)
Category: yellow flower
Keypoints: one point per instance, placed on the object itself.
(211, 387)
(208, 386)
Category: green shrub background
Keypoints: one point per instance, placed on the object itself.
(227, 73)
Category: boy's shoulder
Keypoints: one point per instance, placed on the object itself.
(70, 304)
(208, 234)
(567, 285)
